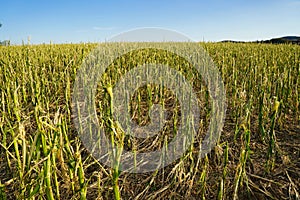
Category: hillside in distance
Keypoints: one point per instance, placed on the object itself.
(280, 40)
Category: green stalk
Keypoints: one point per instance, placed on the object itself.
(202, 179)
(116, 154)
(221, 187)
(272, 138)
(2, 191)
(56, 182)
(47, 174)
(241, 169)
(83, 188)
(260, 117)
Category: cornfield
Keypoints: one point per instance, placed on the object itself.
(256, 157)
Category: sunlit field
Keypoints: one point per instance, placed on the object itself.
(256, 156)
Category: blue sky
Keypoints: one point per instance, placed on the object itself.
(94, 21)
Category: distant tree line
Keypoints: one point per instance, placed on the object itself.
(5, 42)
(281, 40)
(292, 40)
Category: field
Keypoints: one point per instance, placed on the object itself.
(256, 156)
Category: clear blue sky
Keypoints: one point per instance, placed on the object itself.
(94, 21)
